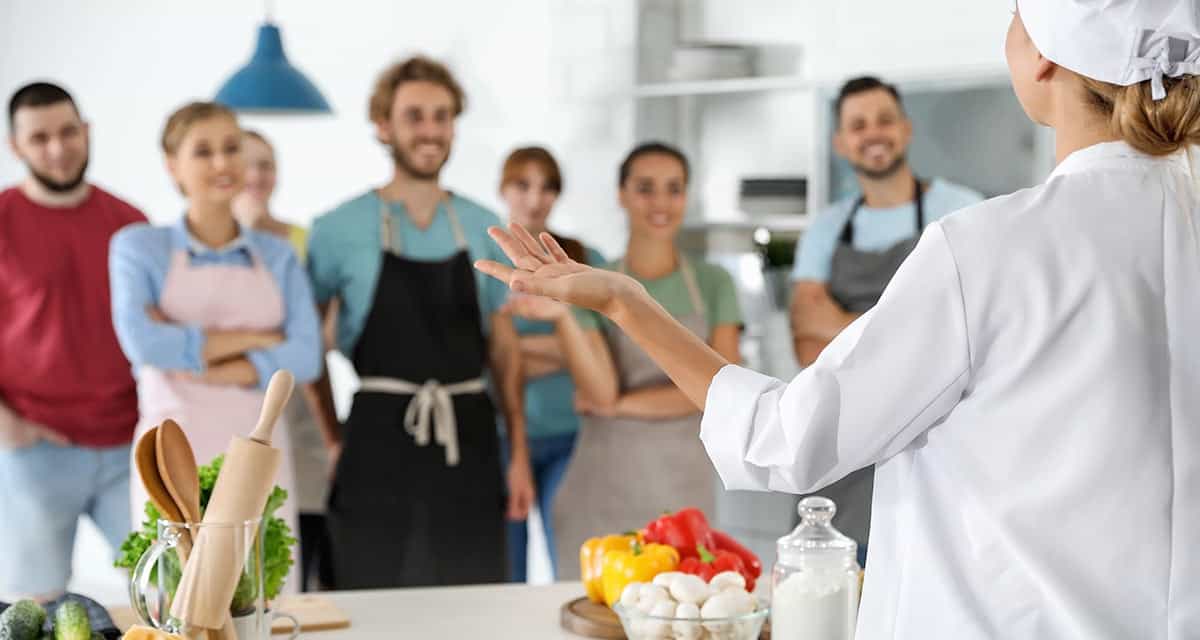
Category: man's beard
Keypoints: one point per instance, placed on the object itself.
(408, 166)
(55, 186)
(881, 174)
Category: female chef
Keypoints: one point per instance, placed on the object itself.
(1036, 430)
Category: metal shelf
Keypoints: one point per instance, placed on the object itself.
(724, 85)
(955, 76)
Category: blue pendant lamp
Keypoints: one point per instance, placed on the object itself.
(269, 83)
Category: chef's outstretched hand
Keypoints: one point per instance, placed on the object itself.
(543, 269)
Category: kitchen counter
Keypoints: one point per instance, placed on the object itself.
(495, 612)
(492, 612)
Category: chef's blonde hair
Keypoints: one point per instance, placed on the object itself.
(180, 122)
(1158, 128)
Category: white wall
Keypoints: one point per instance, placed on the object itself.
(535, 71)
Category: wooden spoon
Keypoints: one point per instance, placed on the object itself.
(145, 456)
(177, 466)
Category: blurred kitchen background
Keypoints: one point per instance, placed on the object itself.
(743, 86)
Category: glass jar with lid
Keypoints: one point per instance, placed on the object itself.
(815, 581)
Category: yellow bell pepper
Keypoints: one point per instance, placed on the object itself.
(640, 564)
(591, 560)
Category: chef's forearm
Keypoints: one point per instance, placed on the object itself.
(686, 359)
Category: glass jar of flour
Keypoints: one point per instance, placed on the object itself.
(815, 582)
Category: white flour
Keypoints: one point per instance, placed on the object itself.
(815, 605)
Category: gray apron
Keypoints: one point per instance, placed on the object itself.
(626, 472)
(856, 281)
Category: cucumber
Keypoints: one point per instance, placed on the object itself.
(71, 622)
(22, 621)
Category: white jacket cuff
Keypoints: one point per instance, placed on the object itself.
(728, 425)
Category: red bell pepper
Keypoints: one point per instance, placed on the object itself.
(709, 564)
(725, 542)
(685, 530)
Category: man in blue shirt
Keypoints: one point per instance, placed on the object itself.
(417, 497)
(852, 249)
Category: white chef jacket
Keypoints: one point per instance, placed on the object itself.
(1029, 389)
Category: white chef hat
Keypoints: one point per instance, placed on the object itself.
(1122, 42)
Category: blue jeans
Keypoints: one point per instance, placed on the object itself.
(548, 456)
(44, 489)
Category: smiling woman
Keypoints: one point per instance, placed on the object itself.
(206, 310)
(637, 428)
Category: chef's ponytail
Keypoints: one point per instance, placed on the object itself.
(1158, 128)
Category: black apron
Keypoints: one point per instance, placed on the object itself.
(856, 282)
(405, 511)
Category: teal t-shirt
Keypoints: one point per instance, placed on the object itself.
(550, 400)
(716, 287)
(345, 255)
(874, 229)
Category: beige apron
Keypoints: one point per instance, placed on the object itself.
(625, 471)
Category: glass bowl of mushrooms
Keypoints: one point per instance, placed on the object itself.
(678, 606)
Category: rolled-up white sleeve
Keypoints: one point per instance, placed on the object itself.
(887, 378)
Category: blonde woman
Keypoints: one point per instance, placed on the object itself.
(205, 309)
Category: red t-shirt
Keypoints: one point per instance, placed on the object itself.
(60, 364)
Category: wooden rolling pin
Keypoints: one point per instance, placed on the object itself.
(243, 486)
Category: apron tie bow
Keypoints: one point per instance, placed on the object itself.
(430, 409)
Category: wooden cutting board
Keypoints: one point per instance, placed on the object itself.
(591, 620)
(315, 613)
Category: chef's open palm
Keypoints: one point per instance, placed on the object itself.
(543, 269)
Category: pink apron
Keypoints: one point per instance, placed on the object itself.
(223, 297)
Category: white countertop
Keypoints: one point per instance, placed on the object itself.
(492, 612)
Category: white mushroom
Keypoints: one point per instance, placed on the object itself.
(683, 629)
(631, 595)
(728, 604)
(653, 594)
(664, 579)
(661, 628)
(689, 588)
(727, 580)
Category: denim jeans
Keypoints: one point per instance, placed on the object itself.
(548, 456)
(44, 489)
